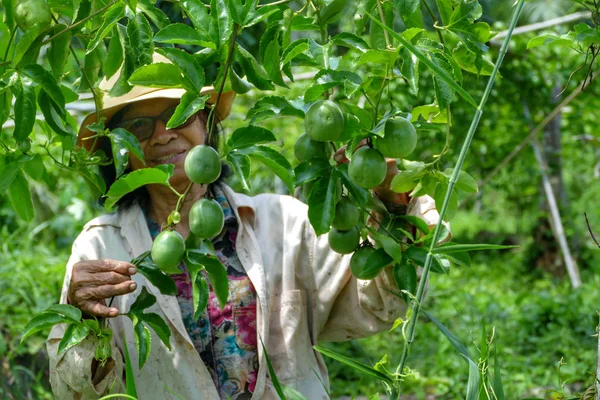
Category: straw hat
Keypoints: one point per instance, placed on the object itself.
(112, 105)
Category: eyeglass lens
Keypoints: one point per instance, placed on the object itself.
(143, 127)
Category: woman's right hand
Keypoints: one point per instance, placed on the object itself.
(93, 281)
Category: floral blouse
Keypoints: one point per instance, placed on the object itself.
(225, 339)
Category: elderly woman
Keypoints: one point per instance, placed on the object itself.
(286, 286)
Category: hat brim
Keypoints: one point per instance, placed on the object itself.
(84, 140)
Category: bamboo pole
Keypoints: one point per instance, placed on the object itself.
(543, 25)
(558, 228)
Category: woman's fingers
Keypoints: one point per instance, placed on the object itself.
(95, 266)
(105, 291)
(98, 309)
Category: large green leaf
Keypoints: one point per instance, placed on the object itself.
(273, 160)
(178, 33)
(143, 341)
(360, 195)
(122, 142)
(66, 310)
(158, 75)
(111, 17)
(311, 169)
(159, 326)
(452, 248)
(270, 106)
(58, 52)
(241, 166)
(197, 13)
(189, 105)
(52, 116)
(26, 42)
(222, 24)
(193, 73)
(154, 14)
(163, 282)
(42, 321)
(114, 57)
(25, 108)
(248, 136)
(144, 300)
(74, 334)
(458, 345)
(405, 275)
(419, 254)
(321, 202)
(136, 179)
(140, 37)
(20, 197)
(201, 294)
(48, 83)
(351, 362)
(255, 73)
(216, 273)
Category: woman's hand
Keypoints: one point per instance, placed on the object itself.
(382, 191)
(95, 280)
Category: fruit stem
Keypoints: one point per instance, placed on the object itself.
(12, 36)
(182, 197)
(435, 21)
(76, 24)
(416, 304)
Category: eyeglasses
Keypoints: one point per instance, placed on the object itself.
(143, 127)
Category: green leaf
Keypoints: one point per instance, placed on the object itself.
(458, 345)
(276, 384)
(74, 334)
(465, 182)
(26, 41)
(548, 40)
(143, 341)
(216, 273)
(321, 202)
(114, 58)
(451, 248)
(42, 321)
(58, 52)
(311, 169)
(36, 170)
(255, 73)
(273, 160)
(193, 73)
(270, 52)
(439, 72)
(178, 33)
(155, 15)
(91, 68)
(497, 382)
(122, 142)
(222, 24)
(136, 179)
(201, 294)
(66, 310)
(159, 326)
(249, 136)
(189, 105)
(391, 247)
(197, 13)
(45, 79)
(163, 282)
(25, 108)
(418, 255)
(130, 388)
(158, 75)
(241, 167)
(405, 275)
(52, 116)
(360, 195)
(473, 383)
(142, 301)
(351, 362)
(20, 197)
(350, 40)
(111, 17)
(140, 35)
(331, 10)
(293, 50)
(122, 86)
(270, 106)
(410, 71)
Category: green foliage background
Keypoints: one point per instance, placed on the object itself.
(538, 318)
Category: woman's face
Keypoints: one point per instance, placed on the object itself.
(165, 146)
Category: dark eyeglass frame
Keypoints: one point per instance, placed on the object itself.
(146, 131)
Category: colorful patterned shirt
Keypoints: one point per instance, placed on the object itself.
(225, 339)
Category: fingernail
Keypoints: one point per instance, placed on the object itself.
(133, 286)
(114, 312)
(132, 271)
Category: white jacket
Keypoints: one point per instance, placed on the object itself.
(305, 294)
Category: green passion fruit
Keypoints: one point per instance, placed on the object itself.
(306, 148)
(367, 167)
(202, 164)
(324, 121)
(206, 218)
(346, 214)
(31, 12)
(344, 242)
(167, 251)
(399, 139)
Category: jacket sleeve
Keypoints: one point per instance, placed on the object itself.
(350, 308)
(71, 375)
